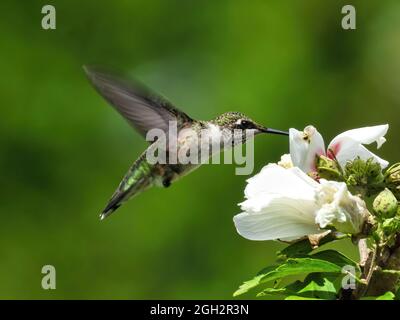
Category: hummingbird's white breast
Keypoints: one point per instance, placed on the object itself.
(219, 139)
(207, 140)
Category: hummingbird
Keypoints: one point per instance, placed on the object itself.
(145, 110)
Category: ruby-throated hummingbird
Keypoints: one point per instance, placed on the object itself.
(145, 110)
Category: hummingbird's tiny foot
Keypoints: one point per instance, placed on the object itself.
(166, 183)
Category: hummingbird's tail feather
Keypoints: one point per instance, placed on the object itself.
(138, 179)
(123, 194)
(112, 205)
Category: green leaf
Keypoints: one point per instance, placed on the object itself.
(247, 285)
(299, 298)
(299, 248)
(320, 286)
(341, 260)
(275, 292)
(335, 257)
(315, 286)
(303, 247)
(387, 296)
(292, 266)
(397, 295)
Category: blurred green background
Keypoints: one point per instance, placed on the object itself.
(64, 150)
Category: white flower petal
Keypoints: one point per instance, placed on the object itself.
(274, 179)
(350, 149)
(348, 145)
(304, 147)
(365, 135)
(339, 208)
(310, 182)
(282, 218)
(258, 203)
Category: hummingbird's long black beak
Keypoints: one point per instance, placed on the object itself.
(273, 131)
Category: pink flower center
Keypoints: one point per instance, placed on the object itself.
(333, 151)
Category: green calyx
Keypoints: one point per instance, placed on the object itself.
(392, 179)
(328, 169)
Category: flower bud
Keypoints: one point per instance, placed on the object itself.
(385, 204)
(366, 173)
(328, 168)
(392, 175)
(392, 179)
(391, 226)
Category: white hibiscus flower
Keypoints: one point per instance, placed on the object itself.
(306, 145)
(287, 204)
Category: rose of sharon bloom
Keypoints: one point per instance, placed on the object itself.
(306, 145)
(287, 204)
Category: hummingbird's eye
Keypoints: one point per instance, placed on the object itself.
(244, 124)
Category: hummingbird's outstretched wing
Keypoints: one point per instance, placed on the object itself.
(142, 108)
